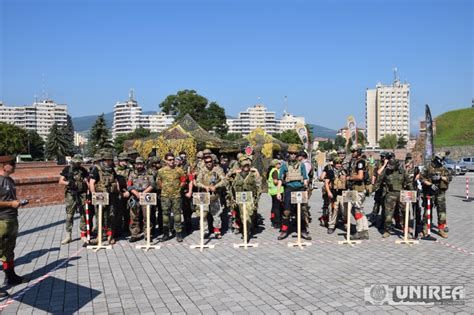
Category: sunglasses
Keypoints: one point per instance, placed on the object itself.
(170, 160)
(208, 162)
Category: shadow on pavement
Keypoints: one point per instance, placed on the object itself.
(39, 228)
(25, 259)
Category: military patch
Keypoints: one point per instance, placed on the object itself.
(360, 165)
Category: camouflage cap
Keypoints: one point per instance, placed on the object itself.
(77, 158)
(132, 151)
(275, 162)
(123, 156)
(199, 155)
(139, 160)
(206, 151)
(337, 160)
(97, 157)
(154, 159)
(293, 148)
(107, 155)
(245, 162)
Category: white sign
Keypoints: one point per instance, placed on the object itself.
(244, 197)
(148, 199)
(201, 199)
(100, 199)
(408, 196)
(299, 197)
(349, 196)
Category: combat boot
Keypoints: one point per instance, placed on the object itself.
(11, 278)
(386, 234)
(306, 236)
(443, 234)
(365, 235)
(179, 237)
(67, 239)
(357, 236)
(166, 235)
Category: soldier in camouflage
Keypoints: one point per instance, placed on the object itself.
(212, 179)
(335, 184)
(139, 182)
(435, 179)
(74, 179)
(394, 179)
(171, 181)
(247, 179)
(123, 212)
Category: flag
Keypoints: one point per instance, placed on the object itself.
(429, 147)
(352, 128)
(303, 134)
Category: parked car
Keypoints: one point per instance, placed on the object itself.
(453, 167)
(467, 162)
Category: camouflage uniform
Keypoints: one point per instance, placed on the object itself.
(439, 178)
(123, 212)
(358, 164)
(107, 182)
(337, 183)
(75, 196)
(170, 180)
(394, 179)
(138, 180)
(247, 181)
(214, 177)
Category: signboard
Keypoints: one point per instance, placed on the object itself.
(148, 199)
(408, 196)
(100, 199)
(243, 197)
(299, 197)
(201, 199)
(248, 150)
(349, 196)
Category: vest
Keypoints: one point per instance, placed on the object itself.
(339, 183)
(294, 173)
(106, 180)
(272, 188)
(140, 181)
(394, 181)
(78, 180)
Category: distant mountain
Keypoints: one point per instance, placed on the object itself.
(84, 123)
(323, 132)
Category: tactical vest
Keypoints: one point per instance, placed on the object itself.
(358, 186)
(122, 176)
(245, 184)
(106, 180)
(442, 172)
(78, 180)
(272, 188)
(140, 181)
(339, 179)
(294, 173)
(394, 181)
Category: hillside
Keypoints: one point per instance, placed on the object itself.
(455, 128)
(323, 132)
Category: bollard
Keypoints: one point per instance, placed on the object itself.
(467, 190)
(88, 224)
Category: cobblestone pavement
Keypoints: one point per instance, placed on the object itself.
(272, 278)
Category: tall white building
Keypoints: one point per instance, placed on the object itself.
(387, 111)
(259, 117)
(128, 117)
(40, 116)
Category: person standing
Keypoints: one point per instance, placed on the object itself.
(171, 180)
(123, 212)
(74, 179)
(273, 191)
(9, 205)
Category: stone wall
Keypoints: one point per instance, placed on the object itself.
(457, 152)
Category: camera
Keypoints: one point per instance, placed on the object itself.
(23, 202)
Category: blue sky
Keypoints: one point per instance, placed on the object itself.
(321, 54)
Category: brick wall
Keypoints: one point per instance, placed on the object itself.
(38, 182)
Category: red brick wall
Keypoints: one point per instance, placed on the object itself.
(38, 182)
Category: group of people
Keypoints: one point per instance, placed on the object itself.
(174, 180)
(386, 179)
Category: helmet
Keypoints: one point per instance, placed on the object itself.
(206, 151)
(437, 159)
(132, 151)
(97, 157)
(123, 156)
(341, 150)
(356, 147)
(107, 155)
(337, 160)
(293, 148)
(139, 160)
(392, 164)
(199, 155)
(245, 162)
(77, 158)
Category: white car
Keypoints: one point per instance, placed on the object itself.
(467, 162)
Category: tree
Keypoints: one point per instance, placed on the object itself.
(340, 142)
(210, 116)
(136, 134)
(99, 136)
(326, 146)
(360, 139)
(34, 145)
(388, 142)
(12, 139)
(57, 145)
(288, 136)
(69, 133)
(401, 142)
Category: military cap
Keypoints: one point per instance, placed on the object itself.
(337, 160)
(139, 160)
(154, 159)
(206, 151)
(6, 158)
(245, 162)
(107, 155)
(77, 158)
(275, 162)
(199, 155)
(293, 148)
(132, 151)
(123, 156)
(97, 157)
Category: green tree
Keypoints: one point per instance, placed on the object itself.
(401, 142)
(99, 136)
(210, 116)
(69, 133)
(340, 142)
(136, 134)
(288, 136)
(35, 145)
(12, 139)
(57, 145)
(388, 142)
(326, 146)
